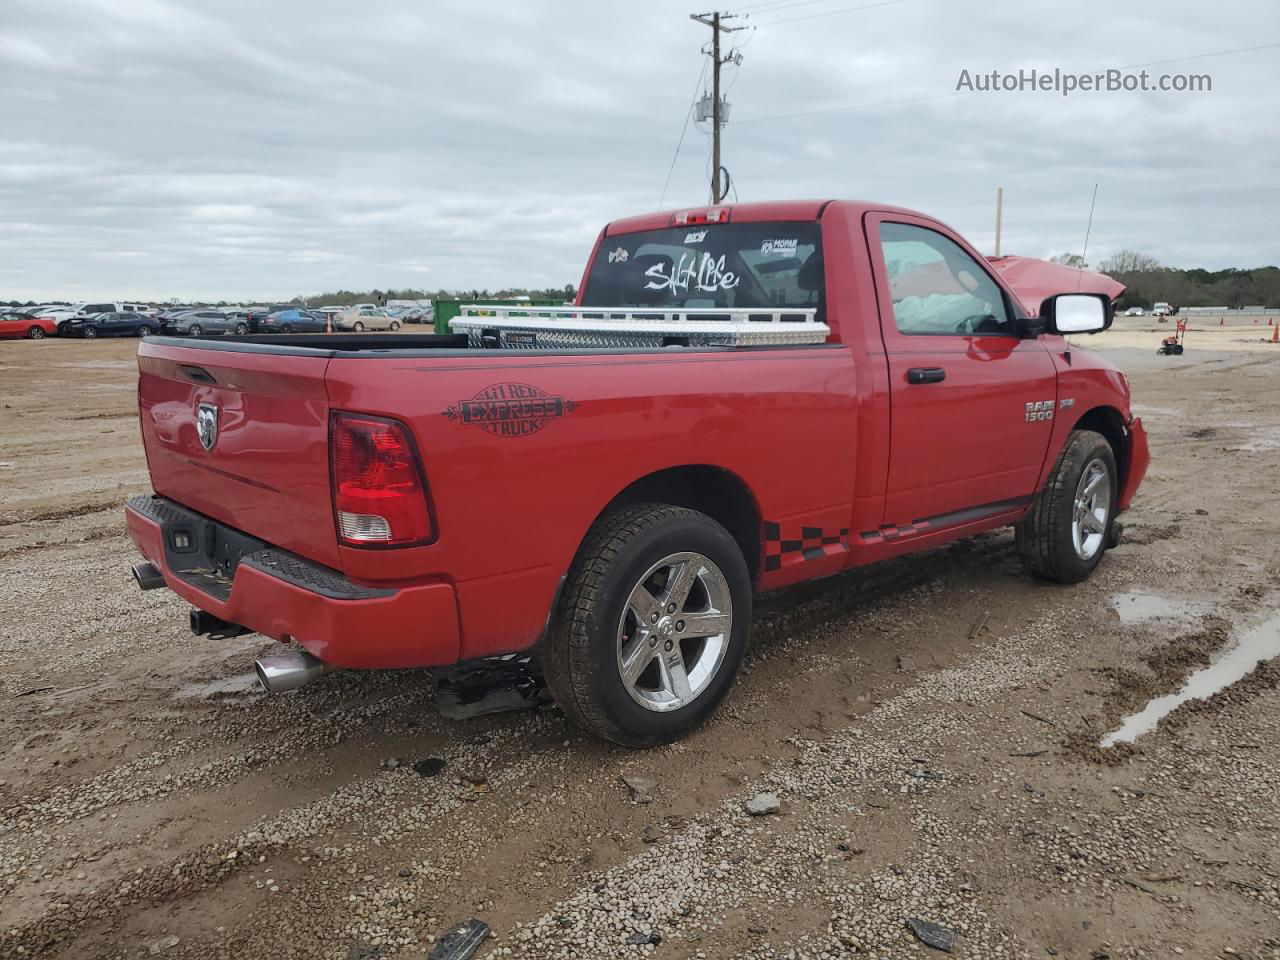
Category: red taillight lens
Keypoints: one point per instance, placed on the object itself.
(379, 495)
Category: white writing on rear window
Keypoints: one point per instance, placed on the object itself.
(694, 272)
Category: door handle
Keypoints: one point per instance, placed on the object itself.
(926, 375)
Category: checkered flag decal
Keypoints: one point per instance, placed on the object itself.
(800, 544)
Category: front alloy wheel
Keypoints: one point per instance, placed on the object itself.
(1091, 510)
(1070, 522)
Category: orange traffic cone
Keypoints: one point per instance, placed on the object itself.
(1275, 333)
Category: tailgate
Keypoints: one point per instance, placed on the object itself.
(242, 437)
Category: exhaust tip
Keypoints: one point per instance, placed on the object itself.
(289, 671)
(147, 576)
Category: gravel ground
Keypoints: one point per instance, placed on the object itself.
(929, 729)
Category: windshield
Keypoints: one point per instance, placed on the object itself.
(728, 265)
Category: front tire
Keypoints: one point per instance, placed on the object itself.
(287, 328)
(241, 329)
(89, 333)
(652, 625)
(1069, 526)
(143, 330)
(196, 330)
(358, 327)
(395, 325)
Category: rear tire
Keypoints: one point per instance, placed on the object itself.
(89, 332)
(358, 327)
(395, 325)
(1069, 526)
(241, 329)
(287, 328)
(638, 683)
(35, 333)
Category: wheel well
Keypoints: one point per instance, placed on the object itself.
(714, 491)
(1108, 422)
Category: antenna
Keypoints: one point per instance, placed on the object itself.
(1087, 230)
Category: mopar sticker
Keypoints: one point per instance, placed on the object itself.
(779, 248)
(510, 409)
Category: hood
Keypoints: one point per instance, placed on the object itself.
(1033, 280)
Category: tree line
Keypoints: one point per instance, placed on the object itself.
(345, 298)
(1149, 282)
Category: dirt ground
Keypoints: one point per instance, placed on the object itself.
(930, 727)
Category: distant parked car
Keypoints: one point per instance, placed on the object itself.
(16, 324)
(242, 322)
(198, 323)
(367, 318)
(1135, 312)
(111, 323)
(294, 320)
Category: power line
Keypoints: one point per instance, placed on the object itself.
(1199, 56)
(777, 5)
(830, 13)
(773, 3)
(683, 130)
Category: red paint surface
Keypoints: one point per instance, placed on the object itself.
(828, 437)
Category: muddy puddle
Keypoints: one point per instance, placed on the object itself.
(1136, 606)
(1254, 646)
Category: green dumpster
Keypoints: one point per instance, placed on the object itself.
(446, 310)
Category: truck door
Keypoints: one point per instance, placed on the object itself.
(972, 403)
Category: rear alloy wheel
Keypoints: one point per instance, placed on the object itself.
(143, 330)
(358, 327)
(1070, 523)
(241, 329)
(287, 328)
(89, 332)
(196, 329)
(395, 325)
(35, 333)
(652, 625)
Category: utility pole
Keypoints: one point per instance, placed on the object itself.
(712, 20)
(999, 215)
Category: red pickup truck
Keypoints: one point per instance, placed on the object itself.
(741, 398)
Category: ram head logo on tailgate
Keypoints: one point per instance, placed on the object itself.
(207, 424)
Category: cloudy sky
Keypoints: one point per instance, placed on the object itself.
(248, 150)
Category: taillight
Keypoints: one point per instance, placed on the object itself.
(379, 494)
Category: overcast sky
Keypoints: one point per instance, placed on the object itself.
(247, 150)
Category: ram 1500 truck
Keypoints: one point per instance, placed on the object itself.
(742, 397)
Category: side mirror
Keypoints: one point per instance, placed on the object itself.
(1077, 312)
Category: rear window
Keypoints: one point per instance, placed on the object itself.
(717, 265)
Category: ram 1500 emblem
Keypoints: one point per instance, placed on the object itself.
(207, 424)
(1039, 410)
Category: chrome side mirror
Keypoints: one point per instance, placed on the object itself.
(1077, 312)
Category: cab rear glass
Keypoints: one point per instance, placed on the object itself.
(728, 266)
